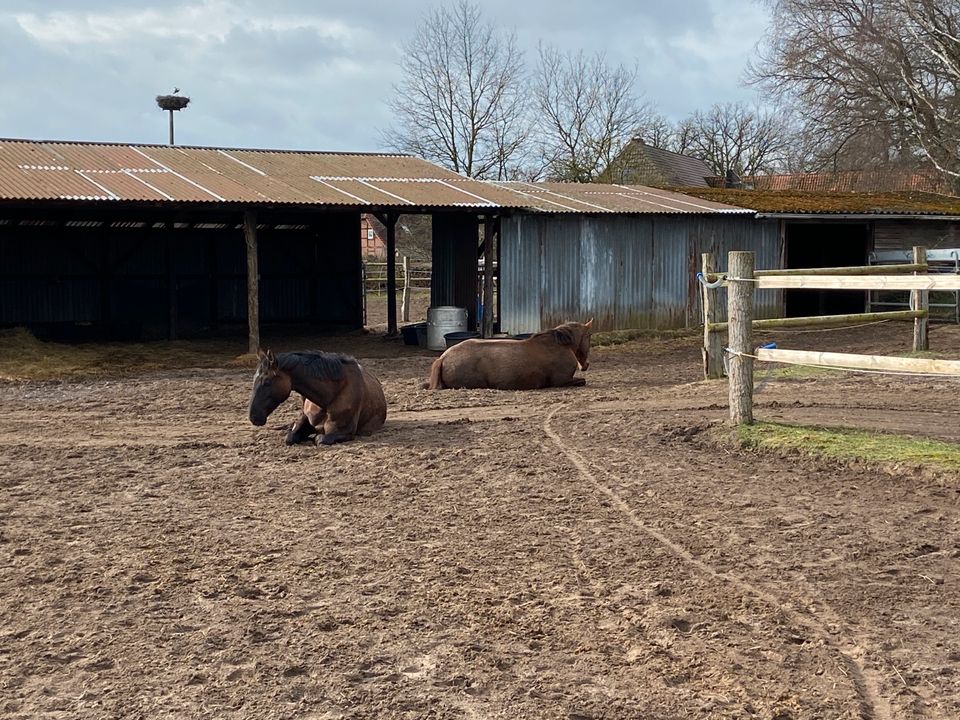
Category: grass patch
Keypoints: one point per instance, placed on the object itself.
(620, 337)
(795, 372)
(23, 357)
(881, 448)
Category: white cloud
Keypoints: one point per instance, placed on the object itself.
(204, 22)
(310, 74)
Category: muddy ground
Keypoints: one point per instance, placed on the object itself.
(584, 553)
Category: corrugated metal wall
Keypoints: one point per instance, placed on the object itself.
(118, 282)
(454, 273)
(624, 271)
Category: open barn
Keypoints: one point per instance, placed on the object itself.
(835, 229)
(119, 241)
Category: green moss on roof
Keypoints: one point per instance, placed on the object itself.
(799, 201)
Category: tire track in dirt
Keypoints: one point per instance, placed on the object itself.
(871, 704)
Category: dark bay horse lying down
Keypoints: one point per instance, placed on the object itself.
(341, 399)
(547, 359)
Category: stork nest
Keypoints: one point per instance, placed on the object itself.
(172, 102)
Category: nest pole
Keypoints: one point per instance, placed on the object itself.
(171, 126)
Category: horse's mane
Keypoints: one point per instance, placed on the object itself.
(563, 334)
(317, 364)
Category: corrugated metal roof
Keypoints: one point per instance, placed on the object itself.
(620, 199)
(798, 202)
(36, 170)
(75, 171)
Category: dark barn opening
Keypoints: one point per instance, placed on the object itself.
(816, 245)
(149, 277)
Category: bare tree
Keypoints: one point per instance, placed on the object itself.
(461, 102)
(867, 72)
(657, 131)
(587, 111)
(732, 136)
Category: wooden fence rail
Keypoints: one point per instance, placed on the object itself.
(741, 280)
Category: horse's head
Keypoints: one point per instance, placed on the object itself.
(271, 386)
(577, 337)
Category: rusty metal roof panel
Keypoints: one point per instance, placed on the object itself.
(620, 199)
(52, 170)
(125, 184)
(35, 170)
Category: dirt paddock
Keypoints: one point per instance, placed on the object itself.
(585, 553)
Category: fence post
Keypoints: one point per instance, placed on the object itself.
(740, 335)
(920, 300)
(712, 339)
(405, 304)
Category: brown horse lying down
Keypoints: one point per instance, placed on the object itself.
(547, 359)
(341, 399)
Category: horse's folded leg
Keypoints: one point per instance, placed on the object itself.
(575, 382)
(334, 437)
(300, 431)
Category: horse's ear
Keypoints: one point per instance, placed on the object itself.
(589, 324)
(271, 358)
(260, 353)
(564, 335)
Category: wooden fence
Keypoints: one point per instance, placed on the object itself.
(741, 280)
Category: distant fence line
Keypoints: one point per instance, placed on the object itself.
(375, 276)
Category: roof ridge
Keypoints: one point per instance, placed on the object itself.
(105, 143)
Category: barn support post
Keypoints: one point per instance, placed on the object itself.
(253, 281)
(391, 223)
(496, 231)
(920, 300)
(740, 336)
(212, 290)
(712, 338)
(171, 282)
(488, 260)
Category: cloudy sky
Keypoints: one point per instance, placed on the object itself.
(314, 74)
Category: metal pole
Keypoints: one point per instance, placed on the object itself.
(171, 126)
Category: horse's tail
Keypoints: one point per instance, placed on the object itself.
(436, 381)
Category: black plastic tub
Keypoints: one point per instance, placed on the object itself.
(521, 336)
(453, 338)
(410, 333)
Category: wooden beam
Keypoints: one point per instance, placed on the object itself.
(488, 261)
(827, 320)
(740, 339)
(920, 301)
(850, 270)
(925, 366)
(391, 224)
(712, 341)
(827, 282)
(253, 281)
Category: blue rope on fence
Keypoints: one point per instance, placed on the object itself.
(709, 285)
